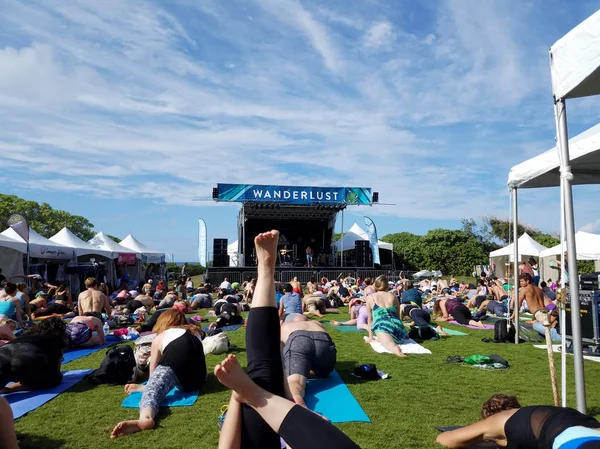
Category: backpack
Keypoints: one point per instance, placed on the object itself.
(423, 333)
(504, 331)
(366, 371)
(117, 368)
(334, 301)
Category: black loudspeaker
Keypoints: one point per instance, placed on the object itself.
(221, 260)
(589, 311)
(363, 254)
(219, 247)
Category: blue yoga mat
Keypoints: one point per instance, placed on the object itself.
(352, 328)
(230, 328)
(175, 398)
(331, 398)
(22, 402)
(74, 354)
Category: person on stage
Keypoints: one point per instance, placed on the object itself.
(309, 256)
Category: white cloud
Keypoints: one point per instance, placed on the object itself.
(379, 35)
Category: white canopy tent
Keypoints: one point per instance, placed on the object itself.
(66, 238)
(527, 247)
(588, 247)
(11, 256)
(357, 233)
(103, 241)
(41, 247)
(575, 72)
(234, 255)
(148, 255)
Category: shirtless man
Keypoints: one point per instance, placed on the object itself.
(307, 347)
(92, 301)
(297, 286)
(146, 300)
(535, 299)
(309, 256)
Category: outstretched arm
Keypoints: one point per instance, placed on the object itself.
(489, 429)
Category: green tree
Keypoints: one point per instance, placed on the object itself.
(337, 236)
(116, 239)
(42, 218)
(452, 251)
(408, 250)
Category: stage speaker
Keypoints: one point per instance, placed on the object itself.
(589, 312)
(219, 247)
(221, 260)
(363, 254)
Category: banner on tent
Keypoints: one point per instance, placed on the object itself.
(294, 195)
(202, 242)
(126, 259)
(372, 233)
(153, 259)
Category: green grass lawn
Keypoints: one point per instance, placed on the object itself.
(422, 392)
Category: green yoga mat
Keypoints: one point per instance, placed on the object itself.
(352, 328)
(451, 331)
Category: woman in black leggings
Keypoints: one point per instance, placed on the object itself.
(258, 413)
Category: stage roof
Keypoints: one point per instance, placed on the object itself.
(278, 211)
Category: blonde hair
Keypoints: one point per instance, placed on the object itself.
(382, 284)
(90, 283)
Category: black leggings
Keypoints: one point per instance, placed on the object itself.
(152, 321)
(54, 308)
(420, 317)
(301, 428)
(462, 314)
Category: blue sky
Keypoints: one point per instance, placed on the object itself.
(123, 111)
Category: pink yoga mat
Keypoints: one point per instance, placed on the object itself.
(489, 327)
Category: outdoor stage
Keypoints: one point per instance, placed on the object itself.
(306, 219)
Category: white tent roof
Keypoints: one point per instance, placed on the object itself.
(357, 233)
(588, 247)
(543, 170)
(41, 247)
(133, 244)
(232, 247)
(527, 247)
(102, 241)
(67, 238)
(7, 242)
(575, 60)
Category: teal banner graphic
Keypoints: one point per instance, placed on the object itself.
(294, 195)
(374, 242)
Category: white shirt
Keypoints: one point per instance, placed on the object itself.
(225, 284)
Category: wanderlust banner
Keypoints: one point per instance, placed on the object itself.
(372, 233)
(294, 195)
(202, 242)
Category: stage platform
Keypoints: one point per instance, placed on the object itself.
(304, 274)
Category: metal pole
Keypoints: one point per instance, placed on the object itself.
(516, 262)
(342, 244)
(243, 237)
(563, 309)
(565, 173)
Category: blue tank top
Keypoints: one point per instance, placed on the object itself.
(19, 296)
(7, 308)
(292, 303)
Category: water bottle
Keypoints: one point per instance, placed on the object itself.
(106, 328)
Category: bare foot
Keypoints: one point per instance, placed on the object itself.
(441, 331)
(230, 373)
(131, 388)
(335, 323)
(129, 427)
(399, 352)
(266, 249)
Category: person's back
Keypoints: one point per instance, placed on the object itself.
(412, 295)
(292, 303)
(305, 325)
(145, 300)
(383, 299)
(92, 301)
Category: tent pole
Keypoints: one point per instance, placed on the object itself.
(565, 173)
(563, 311)
(342, 244)
(516, 263)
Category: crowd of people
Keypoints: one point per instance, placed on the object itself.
(285, 347)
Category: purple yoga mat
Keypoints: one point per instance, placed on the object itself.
(489, 327)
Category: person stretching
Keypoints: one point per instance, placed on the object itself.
(258, 413)
(359, 315)
(307, 347)
(452, 309)
(177, 359)
(535, 300)
(92, 301)
(508, 424)
(384, 317)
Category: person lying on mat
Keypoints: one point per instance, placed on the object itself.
(92, 301)
(176, 360)
(258, 413)
(307, 348)
(384, 317)
(85, 332)
(494, 307)
(418, 317)
(359, 316)
(228, 311)
(58, 307)
(448, 309)
(508, 424)
(32, 361)
(314, 305)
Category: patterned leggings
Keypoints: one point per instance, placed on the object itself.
(161, 381)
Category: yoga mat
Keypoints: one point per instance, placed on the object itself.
(452, 331)
(22, 402)
(352, 328)
(174, 398)
(556, 349)
(331, 398)
(408, 347)
(230, 328)
(489, 327)
(74, 354)
(486, 445)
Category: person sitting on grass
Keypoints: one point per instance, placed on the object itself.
(85, 332)
(359, 315)
(290, 302)
(307, 348)
(258, 413)
(448, 309)
(177, 359)
(92, 301)
(32, 361)
(508, 424)
(384, 318)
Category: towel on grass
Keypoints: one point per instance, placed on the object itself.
(408, 346)
(22, 402)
